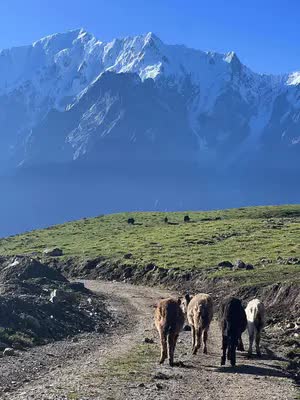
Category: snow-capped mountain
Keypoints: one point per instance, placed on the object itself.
(137, 124)
(70, 96)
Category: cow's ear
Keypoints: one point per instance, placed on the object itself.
(179, 300)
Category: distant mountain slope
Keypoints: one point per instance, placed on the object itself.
(120, 117)
(231, 111)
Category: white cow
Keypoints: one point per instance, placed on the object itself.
(255, 312)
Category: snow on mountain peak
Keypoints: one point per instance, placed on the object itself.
(79, 57)
(61, 66)
(231, 57)
(152, 39)
(293, 79)
(58, 41)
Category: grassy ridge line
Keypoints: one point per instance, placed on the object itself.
(249, 234)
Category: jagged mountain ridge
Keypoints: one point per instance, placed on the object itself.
(208, 104)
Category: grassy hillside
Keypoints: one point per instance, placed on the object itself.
(250, 234)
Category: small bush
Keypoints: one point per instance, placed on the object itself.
(186, 218)
(130, 221)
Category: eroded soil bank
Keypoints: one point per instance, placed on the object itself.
(39, 305)
(282, 299)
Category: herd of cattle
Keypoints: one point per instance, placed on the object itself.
(170, 315)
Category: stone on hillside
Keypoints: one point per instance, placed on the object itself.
(264, 261)
(56, 252)
(14, 263)
(128, 272)
(128, 256)
(293, 260)
(239, 264)
(150, 267)
(225, 264)
(290, 325)
(148, 340)
(9, 352)
(59, 295)
(161, 375)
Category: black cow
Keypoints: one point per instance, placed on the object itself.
(233, 323)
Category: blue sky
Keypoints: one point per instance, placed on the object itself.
(265, 34)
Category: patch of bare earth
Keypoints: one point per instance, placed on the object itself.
(121, 365)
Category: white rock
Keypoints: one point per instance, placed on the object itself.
(9, 352)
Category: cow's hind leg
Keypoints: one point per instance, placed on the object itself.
(163, 346)
(257, 343)
(198, 340)
(251, 338)
(232, 347)
(193, 338)
(205, 336)
(171, 347)
(240, 345)
(224, 348)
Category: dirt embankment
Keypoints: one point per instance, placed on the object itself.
(39, 305)
(282, 299)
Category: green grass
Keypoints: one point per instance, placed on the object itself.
(12, 337)
(245, 233)
(73, 396)
(132, 366)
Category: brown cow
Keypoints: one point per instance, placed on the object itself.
(169, 320)
(199, 310)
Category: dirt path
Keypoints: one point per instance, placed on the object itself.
(120, 365)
